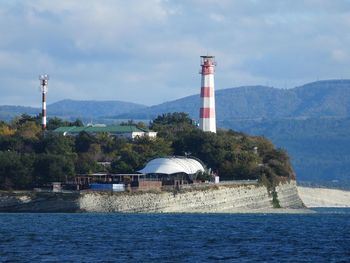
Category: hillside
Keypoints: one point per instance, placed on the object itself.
(319, 147)
(91, 109)
(330, 98)
(8, 112)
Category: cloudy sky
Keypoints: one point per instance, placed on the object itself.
(147, 51)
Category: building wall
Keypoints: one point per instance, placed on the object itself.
(152, 134)
(148, 185)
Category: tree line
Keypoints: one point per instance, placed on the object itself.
(31, 158)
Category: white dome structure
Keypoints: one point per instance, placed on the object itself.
(173, 165)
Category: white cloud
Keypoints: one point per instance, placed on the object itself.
(340, 55)
(217, 17)
(148, 51)
(92, 25)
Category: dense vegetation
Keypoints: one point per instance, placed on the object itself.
(30, 158)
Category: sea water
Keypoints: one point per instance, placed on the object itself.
(320, 237)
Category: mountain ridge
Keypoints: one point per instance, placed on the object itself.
(254, 102)
(72, 109)
(326, 98)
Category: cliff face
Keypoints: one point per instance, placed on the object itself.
(211, 199)
(217, 199)
(288, 196)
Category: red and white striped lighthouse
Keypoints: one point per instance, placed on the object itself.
(207, 111)
(44, 79)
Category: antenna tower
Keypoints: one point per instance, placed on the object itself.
(44, 80)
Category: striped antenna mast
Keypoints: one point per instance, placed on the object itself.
(44, 79)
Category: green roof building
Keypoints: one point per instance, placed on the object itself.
(124, 131)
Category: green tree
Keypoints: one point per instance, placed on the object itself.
(15, 170)
(83, 142)
(171, 126)
(127, 161)
(5, 130)
(52, 168)
(24, 118)
(54, 123)
(29, 130)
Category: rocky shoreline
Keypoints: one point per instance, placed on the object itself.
(210, 199)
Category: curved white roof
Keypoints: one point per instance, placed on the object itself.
(172, 165)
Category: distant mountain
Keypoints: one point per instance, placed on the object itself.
(72, 109)
(319, 147)
(329, 98)
(8, 112)
(91, 109)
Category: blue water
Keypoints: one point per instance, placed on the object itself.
(320, 237)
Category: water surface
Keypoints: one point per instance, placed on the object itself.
(320, 237)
